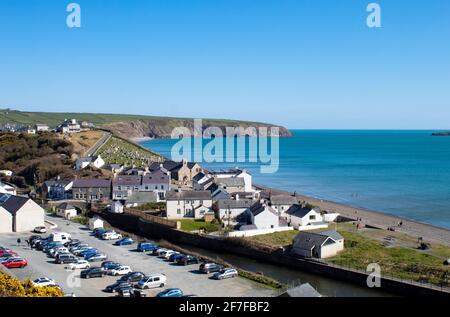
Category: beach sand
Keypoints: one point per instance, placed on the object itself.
(141, 139)
(415, 229)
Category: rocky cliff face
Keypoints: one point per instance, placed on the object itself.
(162, 128)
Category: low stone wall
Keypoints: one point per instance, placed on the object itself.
(277, 256)
(257, 232)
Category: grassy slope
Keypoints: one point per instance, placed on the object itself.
(54, 118)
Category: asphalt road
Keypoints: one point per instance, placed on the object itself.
(186, 278)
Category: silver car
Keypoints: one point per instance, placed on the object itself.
(226, 273)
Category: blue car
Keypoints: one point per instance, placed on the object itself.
(124, 241)
(146, 246)
(174, 257)
(88, 253)
(171, 292)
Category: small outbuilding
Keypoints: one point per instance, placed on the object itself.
(66, 211)
(318, 245)
(24, 214)
(95, 223)
(116, 207)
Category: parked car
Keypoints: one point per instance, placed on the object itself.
(55, 251)
(162, 254)
(66, 259)
(96, 257)
(43, 281)
(92, 272)
(6, 257)
(152, 281)
(187, 260)
(98, 232)
(210, 267)
(171, 292)
(121, 270)
(175, 256)
(80, 264)
(86, 252)
(132, 277)
(117, 286)
(169, 253)
(15, 263)
(124, 241)
(146, 246)
(225, 273)
(40, 229)
(106, 264)
(111, 236)
(157, 251)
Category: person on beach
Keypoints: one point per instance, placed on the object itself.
(18, 241)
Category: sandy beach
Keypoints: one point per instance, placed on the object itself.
(376, 219)
(141, 139)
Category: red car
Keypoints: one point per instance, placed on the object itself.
(15, 263)
(4, 252)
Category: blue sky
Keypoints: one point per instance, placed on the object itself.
(299, 63)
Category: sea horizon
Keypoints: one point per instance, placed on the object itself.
(396, 172)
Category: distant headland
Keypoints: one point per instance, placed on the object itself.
(441, 133)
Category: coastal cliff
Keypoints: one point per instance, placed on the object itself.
(162, 128)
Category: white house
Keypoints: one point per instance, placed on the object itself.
(116, 207)
(188, 204)
(241, 173)
(69, 126)
(95, 223)
(94, 161)
(263, 216)
(7, 189)
(25, 214)
(230, 209)
(318, 245)
(281, 203)
(66, 211)
(41, 127)
(304, 218)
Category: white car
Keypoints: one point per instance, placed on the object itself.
(162, 254)
(54, 252)
(121, 270)
(40, 229)
(81, 264)
(44, 281)
(111, 236)
(152, 281)
(169, 253)
(226, 273)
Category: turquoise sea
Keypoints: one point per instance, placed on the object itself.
(405, 173)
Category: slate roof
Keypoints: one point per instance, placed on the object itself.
(231, 181)
(93, 182)
(308, 240)
(156, 177)
(235, 204)
(127, 180)
(198, 177)
(258, 208)
(12, 203)
(297, 211)
(303, 290)
(283, 200)
(189, 195)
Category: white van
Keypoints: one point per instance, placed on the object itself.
(152, 281)
(111, 236)
(62, 237)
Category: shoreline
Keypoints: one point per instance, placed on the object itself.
(141, 139)
(413, 228)
(378, 219)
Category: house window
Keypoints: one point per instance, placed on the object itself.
(178, 211)
(119, 187)
(146, 187)
(312, 217)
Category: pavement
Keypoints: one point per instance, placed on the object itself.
(187, 278)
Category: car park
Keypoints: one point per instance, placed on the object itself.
(80, 264)
(92, 272)
(187, 260)
(132, 277)
(96, 257)
(124, 241)
(43, 282)
(15, 263)
(121, 270)
(146, 246)
(171, 292)
(152, 281)
(210, 267)
(40, 229)
(225, 273)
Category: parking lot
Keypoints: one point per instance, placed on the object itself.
(187, 278)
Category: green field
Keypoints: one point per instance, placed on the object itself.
(118, 151)
(194, 225)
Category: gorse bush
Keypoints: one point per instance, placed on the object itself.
(12, 287)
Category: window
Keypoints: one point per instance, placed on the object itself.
(179, 211)
(312, 217)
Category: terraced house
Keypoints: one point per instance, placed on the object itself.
(91, 189)
(188, 204)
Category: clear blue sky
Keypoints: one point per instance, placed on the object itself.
(300, 63)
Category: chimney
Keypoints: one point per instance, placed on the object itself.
(184, 162)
